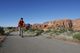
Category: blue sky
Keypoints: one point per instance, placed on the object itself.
(37, 11)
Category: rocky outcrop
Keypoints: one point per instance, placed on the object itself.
(76, 24)
(59, 24)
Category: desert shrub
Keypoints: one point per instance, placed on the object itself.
(38, 32)
(76, 36)
(29, 30)
(1, 30)
(70, 30)
(9, 27)
(58, 31)
(48, 31)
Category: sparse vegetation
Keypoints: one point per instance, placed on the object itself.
(56, 31)
(38, 32)
(34, 32)
(11, 29)
(77, 36)
(1, 30)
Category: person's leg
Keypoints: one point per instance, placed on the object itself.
(21, 32)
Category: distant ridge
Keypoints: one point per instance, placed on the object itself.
(73, 24)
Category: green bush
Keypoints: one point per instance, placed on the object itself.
(76, 36)
(58, 31)
(48, 31)
(1, 30)
(38, 32)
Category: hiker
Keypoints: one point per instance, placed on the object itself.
(21, 26)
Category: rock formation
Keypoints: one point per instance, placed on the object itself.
(66, 24)
(76, 24)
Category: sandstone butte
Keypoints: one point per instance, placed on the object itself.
(65, 23)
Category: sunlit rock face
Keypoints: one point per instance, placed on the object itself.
(36, 26)
(65, 23)
(76, 24)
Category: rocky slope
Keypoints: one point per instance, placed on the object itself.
(65, 23)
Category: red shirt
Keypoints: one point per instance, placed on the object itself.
(21, 23)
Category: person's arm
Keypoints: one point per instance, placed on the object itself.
(23, 23)
(19, 24)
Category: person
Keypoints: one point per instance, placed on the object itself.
(21, 25)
